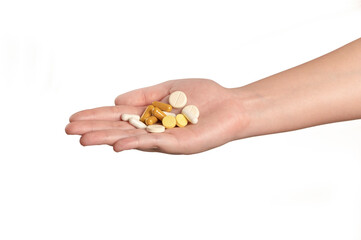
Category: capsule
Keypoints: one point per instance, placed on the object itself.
(151, 120)
(147, 113)
(158, 113)
(162, 106)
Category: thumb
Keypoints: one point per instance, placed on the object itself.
(144, 96)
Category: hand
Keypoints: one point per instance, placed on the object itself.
(221, 118)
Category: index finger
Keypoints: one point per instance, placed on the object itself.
(109, 113)
(144, 96)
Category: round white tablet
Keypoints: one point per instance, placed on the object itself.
(155, 128)
(178, 99)
(191, 112)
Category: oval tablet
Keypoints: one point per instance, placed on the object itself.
(126, 116)
(178, 99)
(170, 114)
(156, 128)
(136, 123)
(181, 120)
(191, 112)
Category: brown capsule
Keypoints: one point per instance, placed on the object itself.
(147, 113)
(162, 106)
(158, 113)
(151, 120)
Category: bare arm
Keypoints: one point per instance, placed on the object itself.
(324, 90)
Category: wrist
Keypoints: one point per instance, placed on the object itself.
(249, 105)
(260, 109)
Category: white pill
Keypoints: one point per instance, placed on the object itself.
(155, 128)
(191, 112)
(178, 99)
(126, 116)
(169, 114)
(136, 123)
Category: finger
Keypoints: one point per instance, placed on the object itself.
(81, 127)
(144, 96)
(162, 142)
(108, 136)
(111, 113)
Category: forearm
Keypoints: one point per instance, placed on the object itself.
(324, 90)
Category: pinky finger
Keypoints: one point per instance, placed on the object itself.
(159, 142)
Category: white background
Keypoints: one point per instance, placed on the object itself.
(59, 57)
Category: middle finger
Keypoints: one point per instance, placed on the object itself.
(81, 127)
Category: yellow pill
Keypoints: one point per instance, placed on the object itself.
(162, 106)
(181, 120)
(169, 121)
(151, 120)
(147, 113)
(158, 113)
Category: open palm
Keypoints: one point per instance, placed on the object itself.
(220, 119)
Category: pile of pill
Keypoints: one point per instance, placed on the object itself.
(159, 111)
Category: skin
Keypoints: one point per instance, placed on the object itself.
(324, 90)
